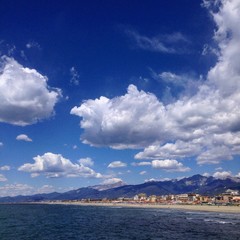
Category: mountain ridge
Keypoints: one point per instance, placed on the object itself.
(195, 184)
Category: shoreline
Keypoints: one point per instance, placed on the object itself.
(197, 208)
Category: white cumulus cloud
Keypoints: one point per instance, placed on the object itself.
(129, 121)
(25, 97)
(222, 175)
(23, 137)
(170, 165)
(86, 162)
(117, 164)
(5, 168)
(205, 126)
(141, 164)
(206, 174)
(55, 165)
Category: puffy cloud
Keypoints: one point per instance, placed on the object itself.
(129, 121)
(170, 165)
(167, 165)
(55, 165)
(226, 73)
(179, 149)
(222, 175)
(142, 172)
(25, 97)
(215, 155)
(112, 181)
(141, 164)
(5, 168)
(195, 126)
(174, 43)
(86, 162)
(206, 174)
(2, 178)
(205, 125)
(117, 164)
(23, 137)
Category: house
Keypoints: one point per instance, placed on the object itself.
(227, 197)
(192, 197)
(142, 196)
(204, 199)
(182, 197)
(236, 198)
(233, 192)
(136, 198)
(152, 198)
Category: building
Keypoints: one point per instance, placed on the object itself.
(152, 198)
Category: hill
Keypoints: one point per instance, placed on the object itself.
(195, 184)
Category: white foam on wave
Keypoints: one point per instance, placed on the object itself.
(219, 221)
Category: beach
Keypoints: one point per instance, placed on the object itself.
(208, 208)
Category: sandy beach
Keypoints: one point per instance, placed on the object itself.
(208, 208)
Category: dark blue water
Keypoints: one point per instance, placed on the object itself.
(82, 222)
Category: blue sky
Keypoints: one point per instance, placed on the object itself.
(99, 92)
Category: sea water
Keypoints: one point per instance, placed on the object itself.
(42, 221)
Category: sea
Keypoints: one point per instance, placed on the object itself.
(55, 222)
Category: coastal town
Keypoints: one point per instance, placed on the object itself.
(228, 198)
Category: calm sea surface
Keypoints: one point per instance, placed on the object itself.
(83, 222)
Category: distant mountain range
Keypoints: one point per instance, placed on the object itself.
(195, 184)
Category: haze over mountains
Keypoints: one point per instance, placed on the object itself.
(195, 184)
